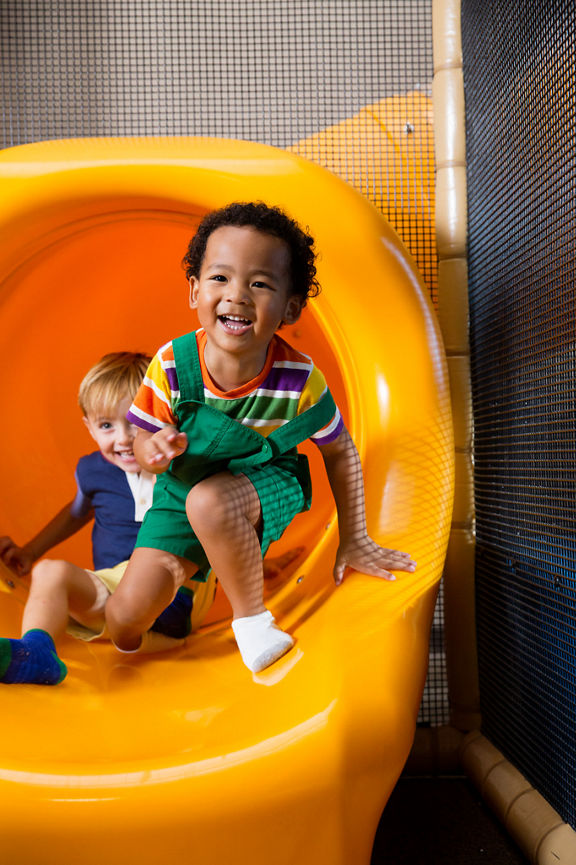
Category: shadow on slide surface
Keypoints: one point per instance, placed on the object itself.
(189, 756)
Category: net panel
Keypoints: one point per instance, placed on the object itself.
(520, 105)
(260, 70)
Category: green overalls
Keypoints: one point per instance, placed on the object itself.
(217, 443)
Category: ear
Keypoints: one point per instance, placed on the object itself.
(89, 426)
(293, 309)
(193, 282)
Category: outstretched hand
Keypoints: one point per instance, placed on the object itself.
(15, 557)
(367, 556)
(164, 446)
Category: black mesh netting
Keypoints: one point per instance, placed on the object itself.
(521, 109)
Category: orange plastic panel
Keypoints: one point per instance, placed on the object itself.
(189, 756)
(386, 151)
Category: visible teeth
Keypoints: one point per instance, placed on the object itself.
(235, 318)
(235, 322)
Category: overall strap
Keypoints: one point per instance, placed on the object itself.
(287, 437)
(188, 367)
(304, 425)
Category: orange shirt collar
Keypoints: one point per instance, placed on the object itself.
(238, 391)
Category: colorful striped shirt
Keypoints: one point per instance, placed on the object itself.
(288, 385)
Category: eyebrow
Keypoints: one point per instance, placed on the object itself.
(217, 266)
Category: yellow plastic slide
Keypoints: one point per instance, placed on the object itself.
(188, 758)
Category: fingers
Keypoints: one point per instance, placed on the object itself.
(338, 573)
(159, 458)
(10, 558)
(6, 544)
(9, 553)
(13, 559)
(378, 572)
(370, 570)
(166, 445)
(398, 560)
(395, 560)
(369, 558)
(180, 441)
(21, 565)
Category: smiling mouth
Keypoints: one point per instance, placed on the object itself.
(235, 323)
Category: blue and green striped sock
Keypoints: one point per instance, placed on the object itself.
(31, 660)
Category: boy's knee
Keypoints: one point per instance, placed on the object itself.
(49, 571)
(122, 621)
(123, 611)
(208, 504)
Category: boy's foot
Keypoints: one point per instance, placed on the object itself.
(260, 641)
(31, 660)
(175, 620)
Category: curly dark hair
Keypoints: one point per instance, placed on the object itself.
(268, 220)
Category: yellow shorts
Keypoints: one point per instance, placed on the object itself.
(106, 582)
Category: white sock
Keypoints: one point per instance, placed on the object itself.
(260, 641)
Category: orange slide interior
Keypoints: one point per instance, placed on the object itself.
(190, 753)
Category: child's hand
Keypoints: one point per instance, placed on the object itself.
(367, 556)
(164, 446)
(15, 557)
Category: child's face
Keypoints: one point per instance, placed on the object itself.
(244, 291)
(114, 435)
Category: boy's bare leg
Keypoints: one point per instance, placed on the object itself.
(149, 585)
(224, 511)
(60, 589)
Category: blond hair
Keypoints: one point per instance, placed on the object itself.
(116, 376)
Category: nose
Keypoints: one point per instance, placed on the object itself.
(237, 291)
(126, 433)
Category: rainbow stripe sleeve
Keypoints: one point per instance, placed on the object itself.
(152, 406)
